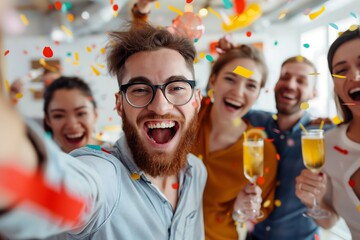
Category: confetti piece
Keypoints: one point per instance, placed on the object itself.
(314, 74)
(306, 45)
(195, 104)
(157, 5)
(244, 72)
(351, 183)
(314, 15)
(174, 9)
(316, 237)
(267, 203)
(269, 140)
(353, 27)
(100, 65)
(304, 105)
(266, 170)
(236, 122)
(102, 50)
(49, 7)
(211, 10)
(277, 203)
(207, 101)
(76, 55)
(209, 58)
(338, 76)
(196, 60)
(334, 26)
(135, 176)
(260, 180)
(353, 14)
(299, 58)
(200, 156)
(282, 14)
(95, 71)
(104, 150)
(66, 30)
(18, 95)
(88, 49)
(111, 2)
(275, 117)
(48, 52)
(25, 52)
(278, 157)
(115, 7)
(336, 120)
(175, 185)
(227, 4)
(58, 5)
(188, 1)
(276, 43)
(6, 52)
(358, 207)
(349, 104)
(202, 55)
(340, 150)
(70, 17)
(24, 19)
(248, 34)
(290, 142)
(33, 188)
(95, 147)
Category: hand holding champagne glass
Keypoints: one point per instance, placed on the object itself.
(253, 151)
(313, 151)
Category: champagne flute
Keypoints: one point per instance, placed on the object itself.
(253, 150)
(313, 151)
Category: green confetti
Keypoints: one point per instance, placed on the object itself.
(209, 58)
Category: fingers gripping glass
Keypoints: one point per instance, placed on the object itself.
(177, 92)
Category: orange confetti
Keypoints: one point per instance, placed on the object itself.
(175, 185)
(195, 104)
(111, 2)
(48, 52)
(58, 5)
(277, 156)
(316, 237)
(266, 170)
(70, 17)
(135, 176)
(277, 203)
(260, 180)
(6, 52)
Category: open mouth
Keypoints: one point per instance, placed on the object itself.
(75, 138)
(355, 94)
(161, 132)
(288, 96)
(232, 104)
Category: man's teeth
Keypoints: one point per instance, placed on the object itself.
(354, 90)
(161, 125)
(75, 135)
(289, 96)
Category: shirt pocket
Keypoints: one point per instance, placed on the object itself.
(192, 227)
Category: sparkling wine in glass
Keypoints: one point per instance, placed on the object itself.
(313, 151)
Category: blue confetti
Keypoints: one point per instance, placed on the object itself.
(306, 45)
(334, 26)
(227, 4)
(95, 147)
(209, 58)
(353, 14)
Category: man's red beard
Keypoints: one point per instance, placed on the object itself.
(160, 163)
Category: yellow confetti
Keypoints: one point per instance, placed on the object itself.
(70, 17)
(157, 5)
(24, 19)
(277, 203)
(88, 49)
(336, 120)
(42, 62)
(237, 122)
(94, 69)
(358, 207)
(202, 55)
(7, 85)
(76, 55)
(244, 72)
(100, 65)
(68, 60)
(299, 58)
(174, 9)
(116, 14)
(282, 14)
(200, 156)
(196, 60)
(135, 176)
(338, 76)
(275, 117)
(210, 9)
(266, 203)
(304, 105)
(314, 74)
(353, 27)
(18, 95)
(76, 63)
(66, 30)
(314, 15)
(102, 50)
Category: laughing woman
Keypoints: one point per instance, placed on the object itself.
(70, 113)
(342, 167)
(220, 143)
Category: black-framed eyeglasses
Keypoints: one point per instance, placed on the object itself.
(177, 92)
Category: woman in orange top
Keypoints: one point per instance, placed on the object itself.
(219, 142)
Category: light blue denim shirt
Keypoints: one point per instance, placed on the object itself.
(119, 206)
(286, 221)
